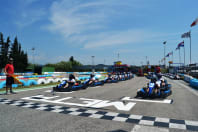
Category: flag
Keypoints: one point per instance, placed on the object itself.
(171, 53)
(177, 48)
(185, 35)
(181, 44)
(164, 42)
(162, 59)
(194, 22)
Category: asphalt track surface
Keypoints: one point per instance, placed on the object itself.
(178, 116)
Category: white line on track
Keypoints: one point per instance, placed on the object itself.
(95, 87)
(49, 91)
(140, 128)
(165, 101)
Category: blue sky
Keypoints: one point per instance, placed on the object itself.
(135, 29)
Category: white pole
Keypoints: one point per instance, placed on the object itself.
(164, 55)
(93, 70)
(179, 57)
(190, 47)
(184, 56)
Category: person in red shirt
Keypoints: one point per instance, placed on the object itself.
(9, 70)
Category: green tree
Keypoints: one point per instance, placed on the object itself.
(63, 66)
(71, 59)
(50, 65)
(74, 63)
(4, 50)
(20, 58)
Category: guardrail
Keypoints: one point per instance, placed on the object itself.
(187, 78)
(194, 83)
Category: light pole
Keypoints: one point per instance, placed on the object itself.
(146, 61)
(33, 49)
(164, 54)
(93, 70)
(104, 65)
(190, 46)
(141, 66)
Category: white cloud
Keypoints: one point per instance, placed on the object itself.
(73, 18)
(83, 22)
(29, 17)
(87, 23)
(125, 51)
(28, 2)
(27, 13)
(129, 37)
(116, 38)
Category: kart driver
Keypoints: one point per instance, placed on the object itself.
(70, 82)
(92, 79)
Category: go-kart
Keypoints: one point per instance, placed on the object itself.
(78, 85)
(96, 83)
(110, 80)
(150, 75)
(60, 87)
(151, 92)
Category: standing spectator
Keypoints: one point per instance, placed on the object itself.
(9, 70)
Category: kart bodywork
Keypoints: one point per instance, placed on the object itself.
(149, 92)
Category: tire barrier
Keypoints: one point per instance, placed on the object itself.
(187, 78)
(97, 76)
(24, 83)
(182, 75)
(31, 82)
(83, 78)
(29, 79)
(80, 78)
(2, 77)
(79, 73)
(57, 80)
(2, 84)
(41, 81)
(50, 80)
(64, 79)
(14, 85)
(194, 83)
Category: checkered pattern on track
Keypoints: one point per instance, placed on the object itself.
(129, 118)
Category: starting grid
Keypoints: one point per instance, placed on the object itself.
(92, 109)
(125, 103)
(121, 117)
